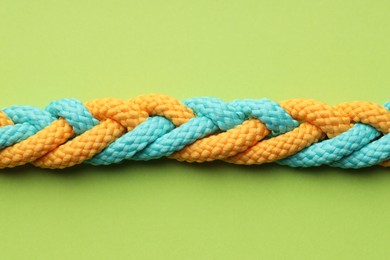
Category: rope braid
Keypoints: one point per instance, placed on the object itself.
(296, 132)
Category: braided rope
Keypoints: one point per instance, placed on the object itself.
(296, 132)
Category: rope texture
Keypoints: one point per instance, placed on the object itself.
(296, 132)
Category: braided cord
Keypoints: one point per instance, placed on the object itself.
(296, 132)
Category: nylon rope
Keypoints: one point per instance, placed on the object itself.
(295, 132)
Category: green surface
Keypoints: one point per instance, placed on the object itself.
(333, 51)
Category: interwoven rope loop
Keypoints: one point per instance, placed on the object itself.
(296, 132)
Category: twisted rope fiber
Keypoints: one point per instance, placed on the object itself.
(296, 132)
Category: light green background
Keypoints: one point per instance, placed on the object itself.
(333, 51)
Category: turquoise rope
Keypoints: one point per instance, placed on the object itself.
(74, 112)
(126, 146)
(328, 151)
(28, 121)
